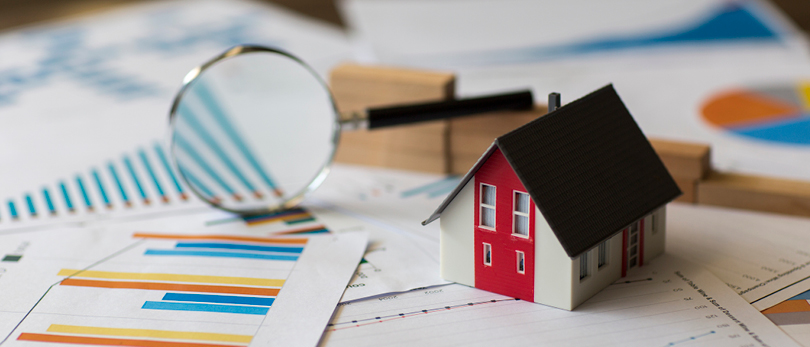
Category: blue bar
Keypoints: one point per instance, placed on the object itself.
(193, 180)
(215, 245)
(145, 160)
(48, 201)
(219, 299)
(101, 188)
(802, 296)
(440, 185)
(66, 196)
(13, 210)
(135, 179)
(209, 140)
(84, 193)
(219, 116)
(181, 306)
(175, 252)
(168, 168)
(121, 189)
(189, 149)
(30, 202)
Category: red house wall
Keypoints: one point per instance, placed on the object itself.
(502, 276)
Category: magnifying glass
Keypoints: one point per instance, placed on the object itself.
(255, 129)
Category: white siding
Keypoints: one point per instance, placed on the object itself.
(654, 243)
(457, 238)
(599, 278)
(552, 275)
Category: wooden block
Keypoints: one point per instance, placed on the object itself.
(755, 193)
(684, 160)
(356, 87)
(471, 136)
(689, 189)
(496, 123)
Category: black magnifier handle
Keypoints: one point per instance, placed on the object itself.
(397, 115)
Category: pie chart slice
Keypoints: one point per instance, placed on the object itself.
(777, 114)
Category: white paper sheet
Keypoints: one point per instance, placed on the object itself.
(763, 257)
(81, 95)
(668, 303)
(193, 286)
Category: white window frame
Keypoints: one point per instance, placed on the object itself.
(488, 247)
(520, 256)
(603, 251)
(653, 227)
(584, 264)
(516, 213)
(481, 207)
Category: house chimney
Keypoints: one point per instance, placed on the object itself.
(553, 101)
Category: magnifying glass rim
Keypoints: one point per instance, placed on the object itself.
(235, 51)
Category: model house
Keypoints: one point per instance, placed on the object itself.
(560, 208)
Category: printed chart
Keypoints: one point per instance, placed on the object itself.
(669, 303)
(139, 182)
(777, 114)
(793, 317)
(162, 289)
(763, 269)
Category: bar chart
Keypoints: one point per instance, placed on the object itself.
(169, 289)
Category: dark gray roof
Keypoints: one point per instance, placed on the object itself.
(588, 167)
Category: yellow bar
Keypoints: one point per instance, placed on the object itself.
(265, 282)
(161, 334)
(804, 93)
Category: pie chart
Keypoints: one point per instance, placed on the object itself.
(776, 114)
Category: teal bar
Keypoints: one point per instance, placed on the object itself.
(48, 201)
(86, 197)
(65, 195)
(162, 156)
(31, 208)
(148, 166)
(121, 189)
(101, 189)
(12, 210)
(131, 169)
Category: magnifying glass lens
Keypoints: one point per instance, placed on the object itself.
(254, 131)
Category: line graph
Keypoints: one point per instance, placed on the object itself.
(382, 319)
(666, 303)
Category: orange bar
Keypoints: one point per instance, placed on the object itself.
(102, 341)
(789, 306)
(300, 241)
(171, 287)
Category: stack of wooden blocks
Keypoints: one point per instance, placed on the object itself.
(453, 146)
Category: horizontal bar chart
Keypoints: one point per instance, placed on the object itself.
(294, 241)
(186, 253)
(237, 246)
(249, 281)
(219, 299)
(171, 287)
(149, 333)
